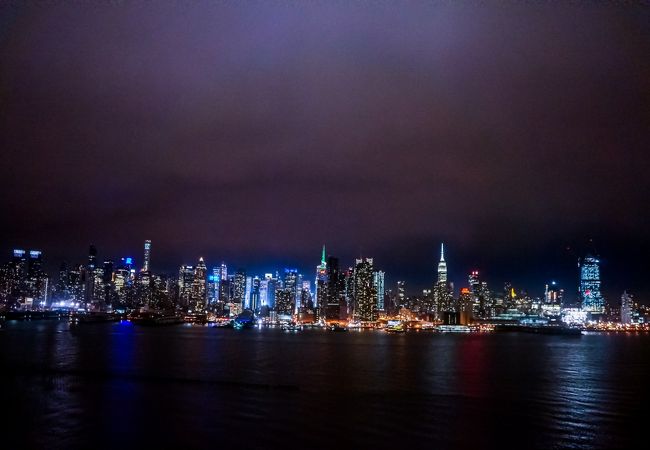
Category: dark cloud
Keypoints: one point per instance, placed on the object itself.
(254, 132)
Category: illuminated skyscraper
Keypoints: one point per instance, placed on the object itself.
(627, 306)
(401, 294)
(223, 276)
(199, 286)
(247, 293)
(89, 275)
(298, 299)
(25, 281)
(224, 284)
(347, 302)
(482, 305)
(264, 293)
(378, 284)
(147, 256)
(335, 290)
(442, 295)
(321, 287)
(107, 282)
(272, 282)
(185, 283)
(284, 299)
(67, 287)
(239, 289)
(592, 299)
(364, 291)
(92, 256)
(214, 286)
(292, 283)
(465, 306)
(442, 266)
(306, 303)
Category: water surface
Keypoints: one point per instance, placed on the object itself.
(120, 385)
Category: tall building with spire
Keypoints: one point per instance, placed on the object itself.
(321, 287)
(442, 265)
(442, 295)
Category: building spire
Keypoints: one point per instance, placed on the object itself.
(442, 251)
(322, 259)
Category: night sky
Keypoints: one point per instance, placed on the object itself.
(254, 132)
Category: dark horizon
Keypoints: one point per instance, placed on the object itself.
(254, 133)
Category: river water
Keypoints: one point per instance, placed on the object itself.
(118, 385)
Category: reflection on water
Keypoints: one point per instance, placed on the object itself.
(119, 385)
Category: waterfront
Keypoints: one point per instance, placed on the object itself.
(119, 385)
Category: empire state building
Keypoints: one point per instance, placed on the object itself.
(442, 266)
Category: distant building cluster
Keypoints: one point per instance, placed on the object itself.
(333, 293)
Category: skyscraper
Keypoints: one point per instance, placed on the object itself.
(378, 283)
(626, 308)
(247, 293)
(364, 290)
(239, 290)
(321, 287)
(264, 293)
(272, 282)
(199, 286)
(442, 266)
(482, 304)
(284, 299)
(223, 276)
(293, 285)
(64, 289)
(306, 303)
(214, 286)
(592, 299)
(334, 290)
(442, 295)
(465, 305)
(185, 284)
(224, 284)
(401, 294)
(89, 275)
(92, 257)
(147, 256)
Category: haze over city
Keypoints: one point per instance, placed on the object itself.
(255, 132)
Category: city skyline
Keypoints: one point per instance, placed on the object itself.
(255, 133)
(573, 291)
